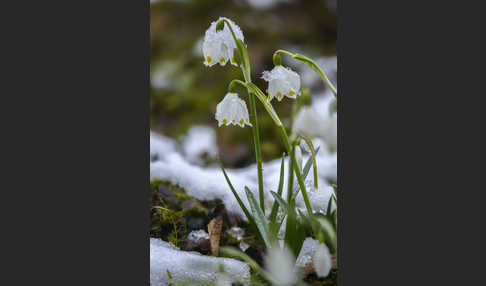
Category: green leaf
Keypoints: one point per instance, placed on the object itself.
(290, 183)
(334, 218)
(313, 156)
(280, 201)
(240, 202)
(294, 231)
(259, 218)
(335, 188)
(305, 172)
(330, 234)
(273, 214)
(329, 205)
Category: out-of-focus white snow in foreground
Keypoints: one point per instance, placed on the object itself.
(184, 266)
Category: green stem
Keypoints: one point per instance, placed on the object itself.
(312, 64)
(253, 115)
(256, 136)
(231, 86)
(300, 180)
(286, 141)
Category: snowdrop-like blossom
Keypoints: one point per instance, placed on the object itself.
(322, 260)
(279, 263)
(219, 46)
(309, 123)
(282, 82)
(232, 110)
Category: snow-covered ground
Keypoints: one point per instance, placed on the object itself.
(191, 266)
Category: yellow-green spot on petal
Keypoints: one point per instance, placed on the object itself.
(241, 121)
(225, 121)
(221, 60)
(268, 97)
(233, 60)
(208, 59)
(291, 93)
(233, 121)
(279, 95)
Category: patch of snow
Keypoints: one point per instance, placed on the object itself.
(184, 266)
(199, 140)
(315, 254)
(236, 232)
(160, 146)
(306, 252)
(204, 184)
(196, 235)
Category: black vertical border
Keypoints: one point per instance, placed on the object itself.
(76, 151)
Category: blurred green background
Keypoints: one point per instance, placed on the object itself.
(184, 92)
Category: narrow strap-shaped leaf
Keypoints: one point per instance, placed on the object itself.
(291, 175)
(240, 202)
(305, 171)
(334, 218)
(280, 201)
(278, 225)
(273, 214)
(313, 156)
(259, 218)
(335, 187)
(291, 235)
(327, 228)
(329, 205)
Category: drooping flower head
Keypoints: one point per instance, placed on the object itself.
(322, 260)
(279, 262)
(282, 82)
(219, 46)
(232, 110)
(312, 124)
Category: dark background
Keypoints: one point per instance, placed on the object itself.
(75, 153)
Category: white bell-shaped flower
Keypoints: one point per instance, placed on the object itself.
(232, 110)
(312, 124)
(282, 82)
(322, 260)
(279, 262)
(219, 46)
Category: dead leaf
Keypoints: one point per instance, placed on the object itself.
(214, 229)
